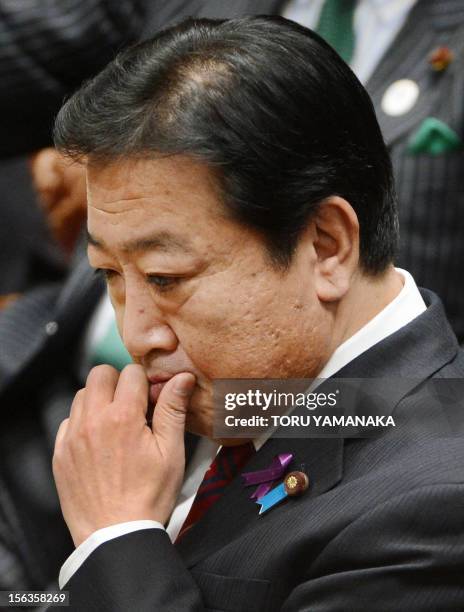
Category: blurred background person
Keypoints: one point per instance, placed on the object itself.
(29, 255)
(47, 48)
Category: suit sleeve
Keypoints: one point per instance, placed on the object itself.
(96, 539)
(48, 48)
(407, 554)
(139, 571)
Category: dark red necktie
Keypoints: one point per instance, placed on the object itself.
(226, 465)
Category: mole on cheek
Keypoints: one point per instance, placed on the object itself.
(141, 310)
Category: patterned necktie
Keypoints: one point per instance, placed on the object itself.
(336, 26)
(227, 464)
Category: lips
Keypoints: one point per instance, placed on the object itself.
(155, 390)
(156, 385)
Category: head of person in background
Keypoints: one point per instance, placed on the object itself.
(240, 201)
(60, 186)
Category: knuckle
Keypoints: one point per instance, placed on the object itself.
(130, 373)
(83, 435)
(77, 402)
(88, 431)
(63, 425)
(119, 417)
(61, 432)
(58, 459)
(121, 411)
(79, 397)
(115, 418)
(100, 372)
(136, 367)
(131, 370)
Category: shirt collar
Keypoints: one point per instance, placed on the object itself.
(407, 305)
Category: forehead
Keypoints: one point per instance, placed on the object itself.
(132, 199)
(124, 185)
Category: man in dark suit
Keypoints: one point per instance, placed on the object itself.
(421, 120)
(241, 208)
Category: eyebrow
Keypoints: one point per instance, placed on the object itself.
(162, 241)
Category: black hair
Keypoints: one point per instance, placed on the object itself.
(267, 104)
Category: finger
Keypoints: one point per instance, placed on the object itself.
(75, 413)
(60, 434)
(132, 390)
(100, 387)
(59, 444)
(171, 409)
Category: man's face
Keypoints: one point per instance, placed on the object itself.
(193, 290)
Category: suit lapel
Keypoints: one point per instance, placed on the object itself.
(24, 326)
(407, 58)
(235, 513)
(418, 350)
(79, 295)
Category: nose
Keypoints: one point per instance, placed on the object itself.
(143, 328)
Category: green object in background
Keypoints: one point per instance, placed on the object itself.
(336, 26)
(111, 350)
(434, 137)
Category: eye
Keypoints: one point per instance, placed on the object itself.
(106, 273)
(163, 283)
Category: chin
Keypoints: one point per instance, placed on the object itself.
(200, 414)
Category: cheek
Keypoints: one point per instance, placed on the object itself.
(249, 334)
(214, 335)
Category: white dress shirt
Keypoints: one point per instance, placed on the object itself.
(376, 23)
(407, 305)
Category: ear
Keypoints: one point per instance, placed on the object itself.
(336, 244)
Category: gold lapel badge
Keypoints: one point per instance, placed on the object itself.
(441, 58)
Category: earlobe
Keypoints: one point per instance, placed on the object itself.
(336, 245)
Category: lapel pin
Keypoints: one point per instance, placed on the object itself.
(266, 478)
(294, 484)
(441, 58)
(400, 97)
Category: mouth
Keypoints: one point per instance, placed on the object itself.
(155, 391)
(156, 386)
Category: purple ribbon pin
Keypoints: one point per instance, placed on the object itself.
(266, 478)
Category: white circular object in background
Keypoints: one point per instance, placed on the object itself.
(400, 97)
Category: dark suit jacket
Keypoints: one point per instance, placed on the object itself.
(381, 527)
(430, 187)
(40, 337)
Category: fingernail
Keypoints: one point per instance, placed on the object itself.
(184, 384)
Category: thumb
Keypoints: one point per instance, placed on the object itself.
(171, 409)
